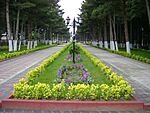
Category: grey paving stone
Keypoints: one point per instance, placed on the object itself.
(104, 112)
(76, 111)
(94, 112)
(8, 111)
(85, 112)
(67, 112)
(113, 111)
(37, 111)
(18, 111)
(56, 111)
(46, 111)
(28, 111)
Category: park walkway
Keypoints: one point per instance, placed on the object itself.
(14, 69)
(135, 72)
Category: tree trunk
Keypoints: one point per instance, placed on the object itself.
(19, 47)
(112, 46)
(131, 38)
(21, 36)
(17, 30)
(148, 10)
(29, 36)
(8, 26)
(115, 36)
(126, 34)
(105, 35)
(100, 39)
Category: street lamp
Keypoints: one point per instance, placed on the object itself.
(74, 25)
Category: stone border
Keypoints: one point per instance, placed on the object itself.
(146, 106)
(0, 104)
(72, 105)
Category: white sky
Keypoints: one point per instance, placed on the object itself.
(71, 8)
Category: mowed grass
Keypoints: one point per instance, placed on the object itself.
(50, 74)
(139, 52)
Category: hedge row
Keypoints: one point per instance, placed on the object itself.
(125, 54)
(17, 53)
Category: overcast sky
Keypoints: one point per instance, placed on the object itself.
(71, 8)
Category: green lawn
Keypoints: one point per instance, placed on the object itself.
(49, 75)
(139, 52)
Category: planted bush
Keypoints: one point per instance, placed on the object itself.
(69, 57)
(13, 54)
(133, 56)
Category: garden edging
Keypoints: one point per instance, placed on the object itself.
(72, 105)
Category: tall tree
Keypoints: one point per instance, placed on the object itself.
(148, 10)
(8, 26)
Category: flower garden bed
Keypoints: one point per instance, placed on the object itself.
(70, 97)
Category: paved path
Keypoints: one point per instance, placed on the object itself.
(135, 72)
(14, 69)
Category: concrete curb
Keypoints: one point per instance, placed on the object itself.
(0, 104)
(72, 105)
(146, 106)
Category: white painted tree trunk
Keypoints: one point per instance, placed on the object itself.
(94, 43)
(50, 42)
(46, 42)
(105, 44)
(28, 46)
(19, 48)
(35, 44)
(121, 45)
(101, 44)
(10, 42)
(24, 42)
(131, 46)
(116, 45)
(112, 45)
(15, 45)
(128, 47)
(31, 44)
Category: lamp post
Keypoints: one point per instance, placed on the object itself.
(74, 25)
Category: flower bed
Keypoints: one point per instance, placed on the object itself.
(75, 73)
(120, 90)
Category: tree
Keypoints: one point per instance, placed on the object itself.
(8, 26)
(148, 10)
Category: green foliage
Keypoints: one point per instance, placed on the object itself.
(77, 49)
(38, 91)
(141, 54)
(13, 54)
(133, 56)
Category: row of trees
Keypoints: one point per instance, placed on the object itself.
(116, 21)
(31, 20)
